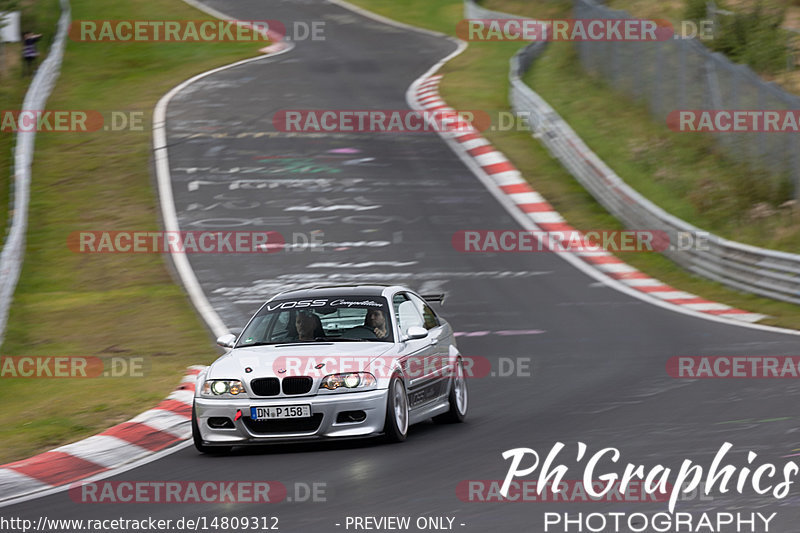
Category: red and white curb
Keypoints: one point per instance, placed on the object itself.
(547, 219)
(159, 428)
(155, 430)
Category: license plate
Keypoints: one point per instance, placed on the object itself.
(280, 411)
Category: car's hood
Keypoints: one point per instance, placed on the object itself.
(284, 360)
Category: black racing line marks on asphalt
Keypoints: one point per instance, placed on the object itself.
(601, 355)
(599, 375)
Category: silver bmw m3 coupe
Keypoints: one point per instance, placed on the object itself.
(331, 362)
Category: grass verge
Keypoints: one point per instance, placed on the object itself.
(478, 79)
(105, 305)
(681, 172)
(39, 16)
(116, 305)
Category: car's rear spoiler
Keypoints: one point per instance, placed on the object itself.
(438, 298)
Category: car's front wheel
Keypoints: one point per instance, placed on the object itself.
(458, 398)
(396, 426)
(198, 440)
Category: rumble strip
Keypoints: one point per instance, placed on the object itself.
(159, 428)
(547, 219)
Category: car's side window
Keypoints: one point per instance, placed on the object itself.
(280, 327)
(397, 300)
(257, 330)
(407, 313)
(430, 320)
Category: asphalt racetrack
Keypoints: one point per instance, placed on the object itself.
(390, 204)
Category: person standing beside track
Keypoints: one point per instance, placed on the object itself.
(29, 52)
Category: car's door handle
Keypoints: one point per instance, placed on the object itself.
(434, 342)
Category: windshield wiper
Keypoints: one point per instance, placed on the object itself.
(347, 339)
(256, 344)
(316, 339)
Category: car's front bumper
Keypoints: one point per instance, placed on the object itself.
(245, 431)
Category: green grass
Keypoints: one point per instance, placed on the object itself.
(40, 17)
(477, 79)
(105, 304)
(681, 172)
(542, 9)
(12, 91)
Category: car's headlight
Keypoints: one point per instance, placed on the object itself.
(222, 387)
(349, 381)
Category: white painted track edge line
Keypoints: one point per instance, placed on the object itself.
(12, 254)
(164, 180)
(102, 475)
(188, 277)
(138, 460)
(386, 20)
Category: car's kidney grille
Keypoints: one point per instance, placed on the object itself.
(297, 385)
(266, 386)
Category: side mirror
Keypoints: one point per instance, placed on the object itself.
(416, 332)
(227, 341)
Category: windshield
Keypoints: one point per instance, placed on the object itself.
(333, 319)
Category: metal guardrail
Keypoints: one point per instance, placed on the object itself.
(681, 74)
(36, 98)
(747, 268)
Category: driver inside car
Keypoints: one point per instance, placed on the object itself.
(376, 322)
